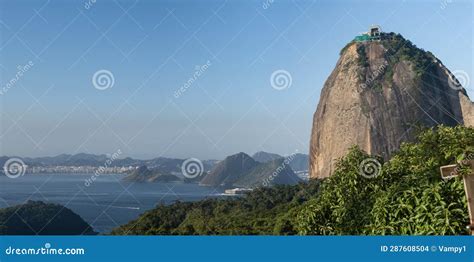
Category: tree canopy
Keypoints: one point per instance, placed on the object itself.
(404, 195)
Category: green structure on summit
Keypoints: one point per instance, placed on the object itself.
(374, 34)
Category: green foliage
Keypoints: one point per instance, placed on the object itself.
(407, 197)
(38, 218)
(398, 49)
(264, 211)
(401, 49)
(344, 203)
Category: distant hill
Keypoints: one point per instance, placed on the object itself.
(241, 170)
(228, 171)
(38, 218)
(167, 165)
(264, 157)
(143, 174)
(298, 162)
(276, 172)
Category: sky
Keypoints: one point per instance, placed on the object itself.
(190, 78)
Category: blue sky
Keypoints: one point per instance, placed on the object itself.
(153, 48)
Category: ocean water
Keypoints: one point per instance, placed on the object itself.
(106, 203)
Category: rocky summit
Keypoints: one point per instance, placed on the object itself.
(379, 95)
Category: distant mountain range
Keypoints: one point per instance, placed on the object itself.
(299, 162)
(164, 164)
(239, 170)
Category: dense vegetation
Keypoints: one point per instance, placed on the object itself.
(407, 196)
(401, 49)
(38, 218)
(263, 211)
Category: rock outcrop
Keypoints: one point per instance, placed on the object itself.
(377, 97)
(467, 108)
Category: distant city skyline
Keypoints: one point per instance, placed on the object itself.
(184, 79)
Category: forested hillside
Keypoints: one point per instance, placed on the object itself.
(403, 195)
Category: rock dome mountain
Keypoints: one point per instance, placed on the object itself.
(378, 95)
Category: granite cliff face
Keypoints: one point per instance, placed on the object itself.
(377, 96)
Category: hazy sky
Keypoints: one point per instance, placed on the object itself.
(190, 78)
